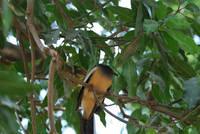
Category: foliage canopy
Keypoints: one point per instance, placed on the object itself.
(151, 46)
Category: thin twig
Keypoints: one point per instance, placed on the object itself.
(118, 118)
(42, 120)
(33, 31)
(106, 38)
(32, 58)
(74, 79)
(18, 34)
(189, 114)
(176, 101)
(37, 39)
(102, 106)
(135, 120)
(127, 116)
(17, 116)
(38, 103)
(120, 44)
(40, 78)
(50, 95)
(155, 106)
(19, 27)
(20, 100)
(30, 15)
(33, 114)
(167, 106)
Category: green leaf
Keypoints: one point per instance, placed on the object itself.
(161, 10)
(8, 122)
(192, 7)
(51, 37)
(181, 68)
(19, 65)
(102, 116)
(41, 129)
(177, 23)
(151, 3)
(195, 25)
(171, 44)
(115, 2)
(130, 75)
(158, 80)
(171, 2)
(13, 84)
(58, 126)
(67, 88)
(2, 39)
(132, 129)
(157, 93)
(124, 14)
(6, 16)
(151, 131)
(150, 25)
(6, 101)
(143, 42)
(127, 53)
(192, 91)
(80, 6)
(70, 34)
(139, 17)
(89, 5)
(185, 42)
(129, 35)
(118, 84)
(71, 115)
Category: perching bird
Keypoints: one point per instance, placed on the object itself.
(100, 79)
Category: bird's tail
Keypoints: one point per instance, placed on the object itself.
(87, 126)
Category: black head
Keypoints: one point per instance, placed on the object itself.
(106, 70)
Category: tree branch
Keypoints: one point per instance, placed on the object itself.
(152, 105)
(30, 15)
(74, 79)
(32, 58)
(33, 31)
(118, 118)
(190, 113)
(50, 96)
(38, 103)
(23, 54)
(135, 120)
(33, 114)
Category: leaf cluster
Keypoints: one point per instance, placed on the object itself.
(153, 46)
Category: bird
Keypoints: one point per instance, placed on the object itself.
(100, 80)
